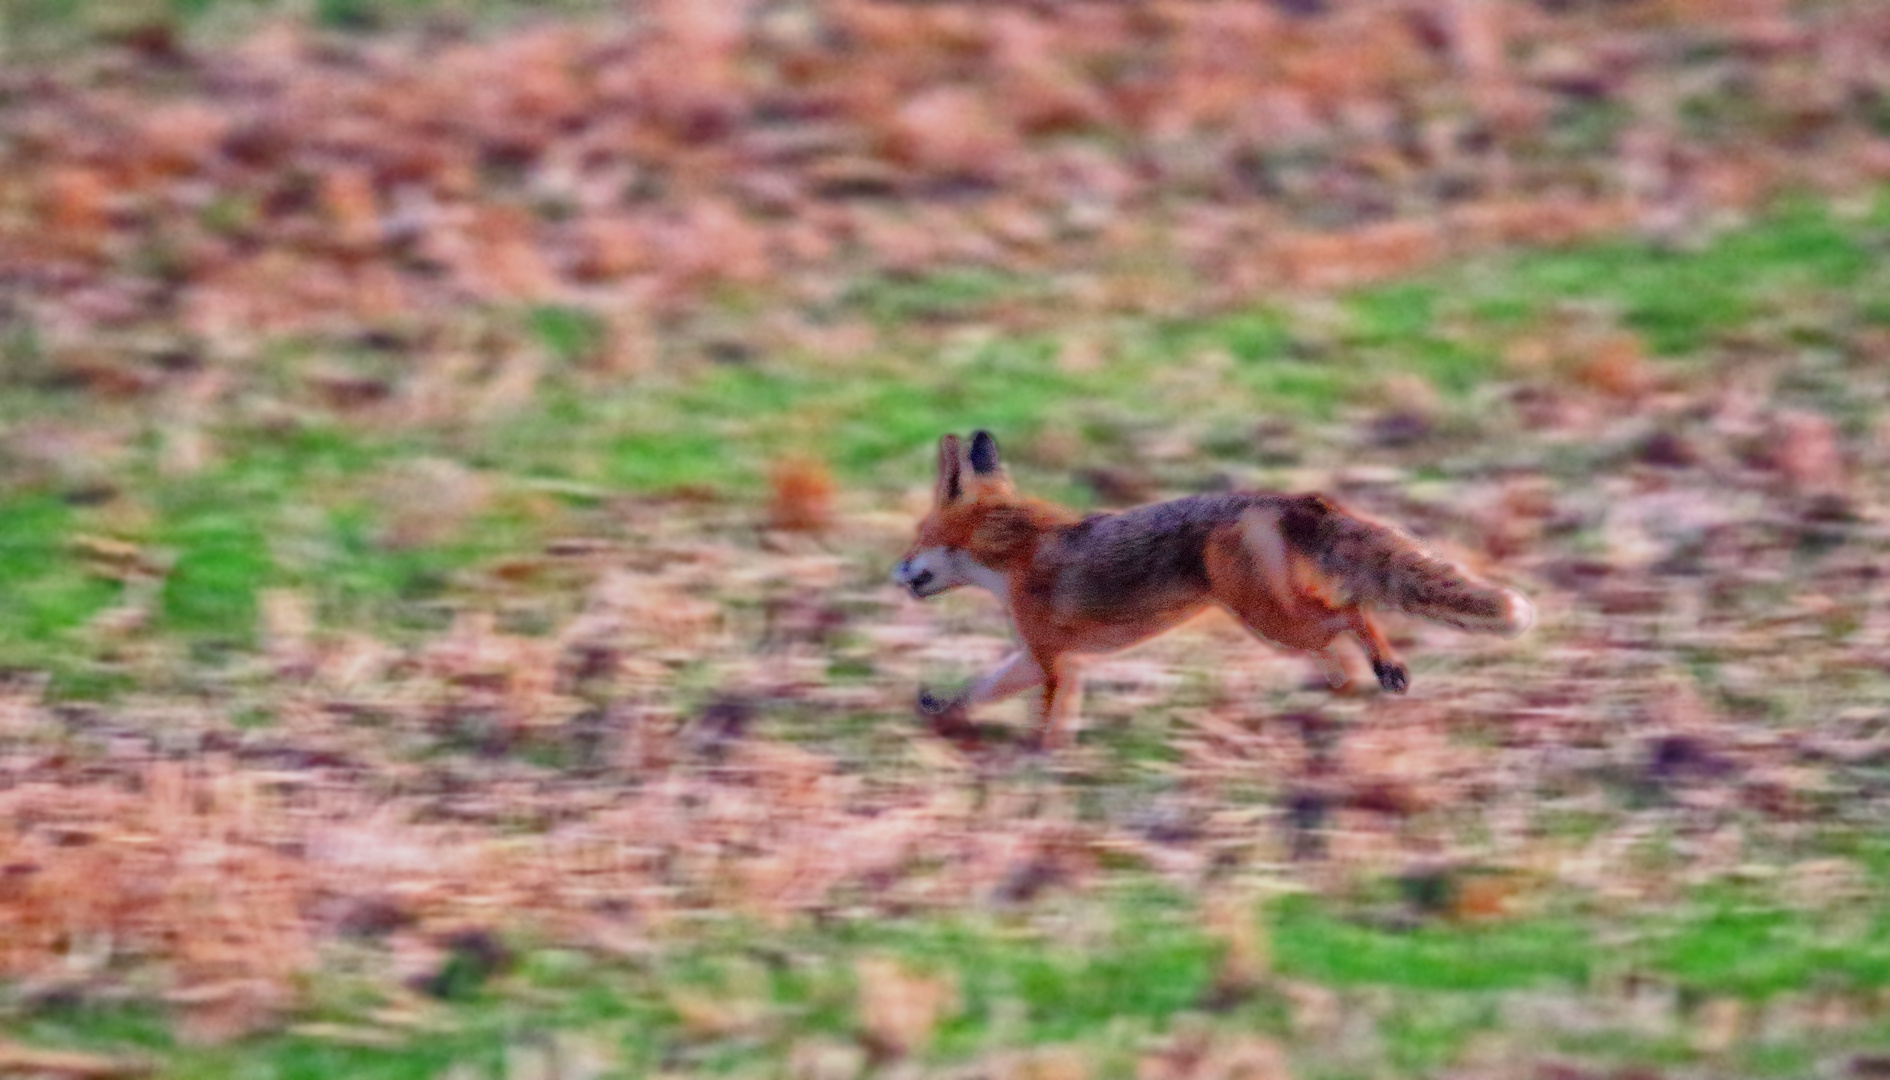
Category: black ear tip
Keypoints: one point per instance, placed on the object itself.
(984, 452)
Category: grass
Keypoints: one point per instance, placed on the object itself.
(286, 506)
(1753, 950)
(316, 499)
(1317, 945)
(62, 27)
(48, 591)
(145, 538)
(1679, 300)
(1430, 992)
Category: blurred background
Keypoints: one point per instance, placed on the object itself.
(451, 455)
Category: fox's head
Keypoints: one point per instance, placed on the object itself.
(961, 541)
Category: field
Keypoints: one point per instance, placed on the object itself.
(449, 635)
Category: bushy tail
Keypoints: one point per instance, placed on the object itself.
(1387, 566)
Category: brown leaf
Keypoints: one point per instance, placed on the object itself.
(1805, 449)
(825, 1059)
(1037, 89)
(609, 246)
(17, 1059)
(949, 132)
(714, 1015)
(353, 208)
(800, 496)
(1718, 1025)
(1372, 253)
(1246, 953)
(427, 501)
(1044, 1063)
(1617, 365)
(900, 1008)
(214, 1014)
(76, 203)
(1194, 1053)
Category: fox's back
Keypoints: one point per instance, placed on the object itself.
(1150, 557)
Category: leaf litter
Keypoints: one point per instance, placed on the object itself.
(675, 737)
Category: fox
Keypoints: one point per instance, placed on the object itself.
(1298, 570)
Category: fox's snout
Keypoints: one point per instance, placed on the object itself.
(929, 571)
(914, 578)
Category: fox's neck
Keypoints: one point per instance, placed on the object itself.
(1009, 536)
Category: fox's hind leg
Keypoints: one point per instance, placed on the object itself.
(1391, 672)
(1248, 575)
(1250, 572)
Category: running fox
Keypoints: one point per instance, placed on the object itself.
(1297, 570)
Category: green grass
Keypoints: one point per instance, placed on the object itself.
(1315, 944)
(1139, 966)
(144, 1034)
(934, 298)
(1154, 965)
(304, 496)
(48, 592)
(1752, 950)
(222, 562)
(66, 26)
(301, 504)
(1680, 300)
(285, 506)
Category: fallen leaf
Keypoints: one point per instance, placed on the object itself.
(17, 1059)
(800, 496)
(900, 1009)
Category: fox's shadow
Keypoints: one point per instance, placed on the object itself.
(951, 721)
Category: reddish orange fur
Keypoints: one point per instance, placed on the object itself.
(1059, 575)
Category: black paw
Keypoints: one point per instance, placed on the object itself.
(932, 706)
(1395, 678)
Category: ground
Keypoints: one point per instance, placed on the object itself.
(511, 684)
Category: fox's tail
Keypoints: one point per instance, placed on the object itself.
(1378, 563)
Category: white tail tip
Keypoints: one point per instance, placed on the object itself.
(1518, 614)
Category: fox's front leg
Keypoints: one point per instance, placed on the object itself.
(1061, 694)
(1016, 674)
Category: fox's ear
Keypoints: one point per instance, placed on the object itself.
(950, 466)
(984, 453)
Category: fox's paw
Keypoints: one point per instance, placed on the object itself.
(1394, 677)
(948, 719)
(930, 705)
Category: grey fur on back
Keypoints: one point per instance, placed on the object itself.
(1151, 552)
(1156, 555)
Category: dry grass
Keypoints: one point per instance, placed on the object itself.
(425, 627)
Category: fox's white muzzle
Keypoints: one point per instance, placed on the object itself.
(928, 573)
(941, 569)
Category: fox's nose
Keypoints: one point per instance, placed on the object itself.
(919, 581)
